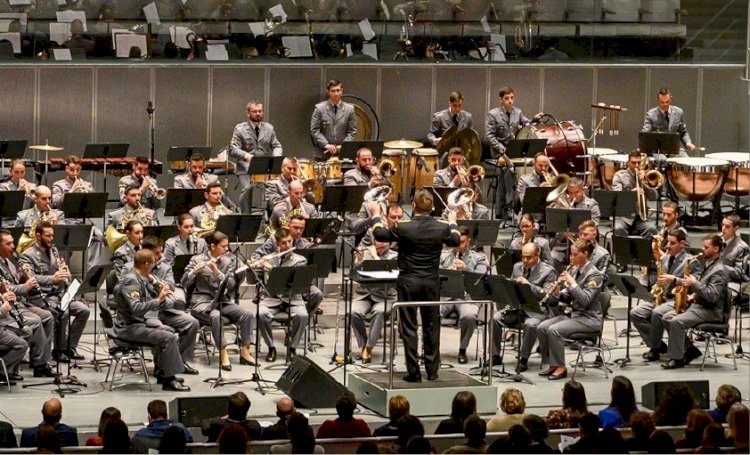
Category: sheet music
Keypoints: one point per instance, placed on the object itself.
(59, 32)
(278, 10)
(62, 55)
(217, 52)
(22, 17)
(15, 39)
(380, 274)
(127, 40)
(257, 28)
(115, 32)
(152, 14)
(178, 35)
(69, 295)
(367, 32)
(4, 24)
(299, 46)
(70, 16)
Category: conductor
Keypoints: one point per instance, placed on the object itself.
(420, 242)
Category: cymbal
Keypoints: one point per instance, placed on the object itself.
(46, 147)
(403, 144)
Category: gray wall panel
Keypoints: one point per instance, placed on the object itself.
(471, 82)
(122, 95)
(568, 93)
(294, 92)
(65, 113)
(525, 83)
(17, 107)
(621, 88)
(182, 103)
(683, 83)
(405, 110)
(724, 116)
(232, 89)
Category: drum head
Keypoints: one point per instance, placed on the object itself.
(735, 158)
(600, 151)
(619, 158)
(425, 152)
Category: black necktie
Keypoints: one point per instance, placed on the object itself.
(526, 273)
(137, 247)
(670, 263)
(577, 274)
(666, 116)
(508, 117)
(257, 132)
(335, 109)
(187, 244)
(455, 119)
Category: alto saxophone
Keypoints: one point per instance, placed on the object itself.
(680, 292)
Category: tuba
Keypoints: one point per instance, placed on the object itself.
(459, 201)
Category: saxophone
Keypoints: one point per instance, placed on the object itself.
(680, 292)
(657, 291)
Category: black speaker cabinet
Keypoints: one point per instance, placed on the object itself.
(651, 392)
(191, 411)
(308, 385)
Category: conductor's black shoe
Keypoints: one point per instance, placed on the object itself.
(271, 357)
(44, 372)
(497, 360)
(522, 366)
(160, 378)
(651, 356)
(175, 385)
(462, 359)
(691, 354)
(432, 376)
(190, 370)
(412, 378)
(672, 364)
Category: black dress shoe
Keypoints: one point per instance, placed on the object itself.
(497, 360)
(14, 376)
(271, 357)
(44, 372)
(227, 367)
(244, 361)
(662, 348)
(414, 378)
(175, 385)
(462, 359)
(547, 372)
(522, 366)
(61, 357)
(160, 379)
(432, 377)
(73, 354)
(691, 354)
(672, 364)
(187, 369)
(651, 356)
(555, 377)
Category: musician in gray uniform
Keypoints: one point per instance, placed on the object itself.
(125, 252)
(600, 258)
(453, 116)
(533, 180)
(528, 235)
(132, 199)
(464, 259)
(294, 203)
(473, 209)
(668, 119)
(333, 122)
(17, 182)
(195, 177)
(15, 347)
(646, 318)
(53, 276)
(709, 297)
(371, 300)
(185, 242)
(252, 138)
(362, 173)
(624, 180)
(670, 212)
(133, 302)
(448, 176)
(42, 204)
(203, 276)
(213, 205)
(278, 188)
(271, 305)
(735, 253)
(394, 214)
(539, 276)
(72, 183)
(143, 181)
(583, 286)
(575, 198)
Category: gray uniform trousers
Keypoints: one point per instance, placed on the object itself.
(236, 314)
(186, 327)
(467, 319)
(360, 310)
(552, 331)
(76, 317)
(164, 342)
(530, 326)
(35, 335)
(15, 346)
(648, 321)
(634, 226)
(48, 322)
(678, 324)
(271, 306)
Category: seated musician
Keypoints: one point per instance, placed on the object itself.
(670, 212)
(203, 276)
(539, 276)
(706, 300)
(528, 235)
(72, 183)
(185, 242)
(646, 317)
(146, 184)
(134, 301)
(472, 210)
(625, 180)
(271, 305)
(278, 188)
(42, 209)
(600, 257)
(533, 180)
(735, 253)
(131, 210)
(583, 286)
(394, 213)
(362, 173)
(292, 204)
(125, 252)
(210, 211)
(371, 300)
(465, 259)
(43, 262)
(450, 176)
(18, 320)
(195, 177)
(17, 182)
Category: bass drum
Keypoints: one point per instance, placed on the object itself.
(565, 143)
(368, 125)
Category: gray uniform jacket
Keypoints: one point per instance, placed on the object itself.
(443, 120)
(600, 258)
(285, 206)
(175, 246)
(25, 218)
(114, 218)
(204, 283)
(734, 255)
(134, 300)
(540, 277)
(500, 129)
(288, 260)
(327, 127)
(10, 185)
(588, 203)
(197, 212)
(475, 261)
(584, 298)
(544, 251)
(377, 292)
(122, 257)
(360, 222)
(678, 270)
(655, 121)
(624, 180)
(276, 190)
(270, 247)
(356, 177)
(710, 290)
(444, 177)
(44, 266)
(148, 198)
(13, 277)
(245, 142)
(59, 188)
(185, 181)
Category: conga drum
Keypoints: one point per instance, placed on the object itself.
(696, 179)
(565, 143)
(424, 163)
(332, 169)
(396, 156)
(308, 172)
(595, 154)
(738, 177)
(608, 165)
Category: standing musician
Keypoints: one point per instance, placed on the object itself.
(539, 276)
(146, 184)
(528, 235)
(252, 138)
(668, 119)
(185, 242)
(271, 305)
(292, 204)
(203, 276)
(333, 122)
(132, 200)
(583, 286)
(195, 177)
(371, 299)
(449, 176)
(394, 214)
(362, 173)
(708, 300)
(72, 183)
(278, 188)
(502, 125)
(420, 242)
(625, 180)
(42, 205)
(453, 116)
(212, 208)
(646, 317)
(600, 257)
(125, 253)
(464, 259)
(43, 262)
(533, 180)
(133, 302)
(735, 252)
(17, 182)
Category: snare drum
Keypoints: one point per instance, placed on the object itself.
(608, 165)
(696, 179)
(738, 177)
(308, 170)
(396, 156)
(422, 177)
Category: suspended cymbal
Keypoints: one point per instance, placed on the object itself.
(403, 144)
(47, 148)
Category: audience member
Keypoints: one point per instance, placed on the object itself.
(697, 421)
(173, 441)
(284, 408)
(464, 404)
(108, 414)
(713, 439)
(115, 438)
(661, 442)
(368, 447)
(513, 405)
(475, 430)
(538, 430)
(574, 407)
(419, 445)
(588, 428)
(673, 406)
(301, 439)
(47, 440)
(408, 427)
(233, 439)
(51, 415)
(237, 408)
(7, 437)
(345, 426)
(610, 440)
(738, 432)
(398, 406)
(726, 396)
(149, 437)
(621, 406)
(642, 426)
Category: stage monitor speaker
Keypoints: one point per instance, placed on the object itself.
(651, 392)
(191, 411)
(309, 385)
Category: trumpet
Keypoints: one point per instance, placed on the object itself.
(149, 183)
(29, 188)
(81, 186)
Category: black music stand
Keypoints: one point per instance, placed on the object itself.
(482, 232)
(349, 149)
(616, 204)
(11, 150)
(185, 152)
(180, 200)
(632, 250)
(92, 282)
(73, 238)
(105, 151)
(84, 206)
(325, 258)
(524, 148)
(181, 262)
(452, 284)
(535, 199)
(11, 202)
(16, 232)
(343, 198)
(630, 286)
(240, 228)
(315, 227)
(162, 232)
(262, 165)
(475, 284)
(506, 257)
(561, 220)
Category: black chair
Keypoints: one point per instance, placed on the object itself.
(714, 332)
(122, 354)
(587, 342)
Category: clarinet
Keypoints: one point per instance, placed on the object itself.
(14, 312)
(554, 288)
(60, 263)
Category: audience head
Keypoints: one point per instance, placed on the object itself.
(512, 402)
(47, 440)
(238, 406)
(661, 442)
(285, 408)
(713, 436)
(115, 438)
(300, 434)
(697, 421)
(642, 425)
(609, 440)
(623, 397)
(157, 410)
(475, 429)
(519, 439)
(108, 414)
(232, 439)
(673, 406)
(574, 397)
(536, 426)
(418, 444)
(588, 425)
(367, 448)
(738, 420)
(464, 404)
(346, 403)
(407, 427)
(173, 440)
(52, 411)
(726, 396)
(398, 406)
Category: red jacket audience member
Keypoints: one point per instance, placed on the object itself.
(346, 426)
